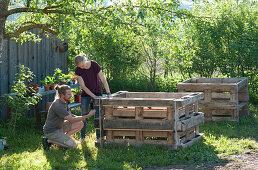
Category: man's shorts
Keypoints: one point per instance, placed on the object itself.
(59, 135)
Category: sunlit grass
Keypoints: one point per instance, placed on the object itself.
(221, 139)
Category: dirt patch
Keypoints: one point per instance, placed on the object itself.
(243, 161)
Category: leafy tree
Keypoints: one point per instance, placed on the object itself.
(21, 98)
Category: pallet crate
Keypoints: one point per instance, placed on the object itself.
(224, 98)
(168, 119)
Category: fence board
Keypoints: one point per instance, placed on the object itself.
(41, 58)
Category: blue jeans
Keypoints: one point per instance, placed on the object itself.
(85, 104)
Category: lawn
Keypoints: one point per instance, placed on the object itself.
(220, 139)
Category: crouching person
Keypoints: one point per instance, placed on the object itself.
(60, 123)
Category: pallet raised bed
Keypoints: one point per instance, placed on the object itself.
(224, 98)
(168, 119)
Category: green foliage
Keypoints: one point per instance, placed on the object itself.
(20, 100)
(223, 39)
(77, 90)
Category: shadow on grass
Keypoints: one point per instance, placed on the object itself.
(118, 156)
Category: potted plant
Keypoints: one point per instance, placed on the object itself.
(51, 82)
(77, 94)
(46, 83)
(58, 76)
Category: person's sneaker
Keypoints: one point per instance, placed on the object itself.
(81, 140)
(45, 143)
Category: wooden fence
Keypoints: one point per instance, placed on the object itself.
(42, 58)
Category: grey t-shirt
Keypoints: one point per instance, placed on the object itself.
(55, 118)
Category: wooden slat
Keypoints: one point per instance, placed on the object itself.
(220, 96)
(156, 134)
(223, 112)
(243, 95)
(155, 114)
(145, 124)
(123, 132)
(205, 86)
(218, 104)
(192, 121)
(243, 83)
(193, 141)
(108, 111)
(123, 113)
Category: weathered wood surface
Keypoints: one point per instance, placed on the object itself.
(182, 100)
(145, 124)
(190, 122)
(191, 142)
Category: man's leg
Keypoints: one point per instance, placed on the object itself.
(69, 143)
(75, 128)
(60, 139)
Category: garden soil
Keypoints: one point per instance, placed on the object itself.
(246, 161)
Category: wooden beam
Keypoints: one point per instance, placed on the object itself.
(192, 121)
(132, 124)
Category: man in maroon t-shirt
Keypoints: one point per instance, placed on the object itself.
(89, 73)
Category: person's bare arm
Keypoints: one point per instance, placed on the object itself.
(73, 119)
(105, 83)
(81, 82)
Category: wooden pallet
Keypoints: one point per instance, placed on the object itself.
(224, 98)
(168, 119)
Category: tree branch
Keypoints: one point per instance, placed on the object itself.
(33, 25)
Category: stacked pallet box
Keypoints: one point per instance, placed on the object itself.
(168, 119)
(224, 98)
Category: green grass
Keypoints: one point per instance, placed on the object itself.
(221, 139)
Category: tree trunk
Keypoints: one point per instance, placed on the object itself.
(3, 8)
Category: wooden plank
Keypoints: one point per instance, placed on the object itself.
(123, 132)
(207, 113)
(108, 112)
(167, 95)
(145, 124)
(123, 113)
(192, 121)
(4, 78)
(109, 135)
(205, 86)
(4, 70)
(170, 114)
(138, 112)
(155, 114)
(243, 95)
(243, 83)
(139, 136)
(190, 143)
(121, 94)
(223, 112)
(157, 133)
(189, 99)
(218, 104)
(136, 102)
(125, 141)
(12, 61)
(26, 54)
(224, 96)
(243, 110)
